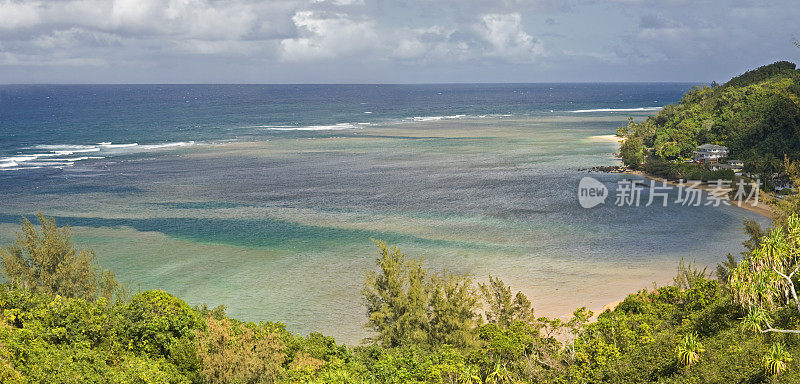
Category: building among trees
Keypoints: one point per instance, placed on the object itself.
(710, 153)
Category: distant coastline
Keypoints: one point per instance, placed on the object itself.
(762, 208)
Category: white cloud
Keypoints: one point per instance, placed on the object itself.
(216, 47)
(418, 43)
(75, 37)
(328, 36)
(15, 15)
(194, 19)
(292, 30)
(341, 2)
(191, 18)
(507, 37)
(498, 6)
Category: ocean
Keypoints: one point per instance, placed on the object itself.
(266, 198)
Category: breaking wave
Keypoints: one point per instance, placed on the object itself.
(65, 155)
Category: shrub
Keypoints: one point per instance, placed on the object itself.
(159, 324)
(241, 353)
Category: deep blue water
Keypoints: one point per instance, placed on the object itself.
(52, 124)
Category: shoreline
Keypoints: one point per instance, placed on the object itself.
(761, 208)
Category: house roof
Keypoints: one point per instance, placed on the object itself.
(713, 147)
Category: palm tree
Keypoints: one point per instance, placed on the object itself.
(689, 350)
(753, 321)
(774, 249)
(793, 231)
(775, 361)
(765, 280)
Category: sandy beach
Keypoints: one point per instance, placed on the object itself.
(761, 208)
(607, 138)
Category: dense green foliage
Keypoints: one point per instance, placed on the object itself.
(427, 330)
(760, 74)
(756, 115)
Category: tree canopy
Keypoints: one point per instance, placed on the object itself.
(46, 260)
(756, 115)
(431, 327)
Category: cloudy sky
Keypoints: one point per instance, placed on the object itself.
(390, 41)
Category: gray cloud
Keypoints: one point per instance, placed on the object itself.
(403, 40)
(651, 21)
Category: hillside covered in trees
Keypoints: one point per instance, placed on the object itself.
(756, 115)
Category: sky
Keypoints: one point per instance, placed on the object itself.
(391, 41)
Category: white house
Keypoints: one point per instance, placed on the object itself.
(710, 153)
(734, 165)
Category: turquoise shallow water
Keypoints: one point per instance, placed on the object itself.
(281, 229)
(276, 224)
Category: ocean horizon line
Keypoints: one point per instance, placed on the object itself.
(361, 84)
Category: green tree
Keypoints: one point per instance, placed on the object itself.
(789, 204)
(625, 130)
(408, 305)
(502, 306)
(158, 324)
(632, 152)
(688, 275)
(452, 319)
(48, 262)
(470, 375)
(499, 375)
(397, 299)
(233, 353)
(724, 269)
(765, 281)
(756, 115)
(754, 233)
